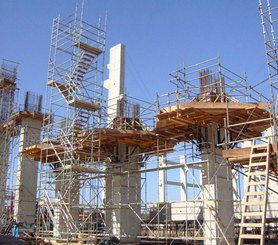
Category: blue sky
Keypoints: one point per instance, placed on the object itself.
(160, 36)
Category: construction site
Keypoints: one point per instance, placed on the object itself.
(79, 163)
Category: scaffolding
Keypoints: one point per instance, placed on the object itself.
(175, 143)
(207, 94)
(70, 191)
(15, 123)
(8, 74)
(167, 172)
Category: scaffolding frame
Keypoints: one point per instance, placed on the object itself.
(8, 94)
(157, 224)
(70, 191)
(75, 156)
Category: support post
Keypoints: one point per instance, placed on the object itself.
(26, 181)
(217, 190)
(162, 179)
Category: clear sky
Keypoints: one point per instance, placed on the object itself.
(160, 36)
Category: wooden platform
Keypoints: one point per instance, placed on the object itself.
(88, 48)
(17, 117)
(81, 169)
(148, 142)
(242, 156)
(5, 83)
(55, 84)
(181, 121)
(174, 124)
(82, 104)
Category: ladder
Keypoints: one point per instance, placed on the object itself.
(252, 227)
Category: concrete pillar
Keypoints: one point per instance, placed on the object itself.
(183, 179)
(123, 196)
(67, 198)
(122, 191)
(162, 179)
(217, 189)
(26, 179)
(116, 81)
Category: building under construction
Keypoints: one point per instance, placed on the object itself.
(196, 166)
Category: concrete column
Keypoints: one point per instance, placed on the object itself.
(122, 191)
(67, 198)
(116, 81)
(162, 179)
(123, 196)
(26, 179)
(217, 189)
(183, 179)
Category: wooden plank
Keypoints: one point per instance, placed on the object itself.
(257, 183)
(256, 173)
(251, 224)
(252, 213)
(88, 48)
(255, 155)
(250, 236)
(256, 164)
(216, 106)
(254, 203)
(254, 193)
(81, 169)
(84, 105)
(240, 152)
(4, 83)
(55, 84)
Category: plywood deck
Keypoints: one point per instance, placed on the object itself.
(88, 48)
(242, 156)
(174, 124)
(148, 142)
(181, 121)
(81, 169)
(5, 83)
(17, 117)
(84, 105)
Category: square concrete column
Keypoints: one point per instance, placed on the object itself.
(217, 190)
(162, 180)
(26, 179)
(67, 199)
(123, 196)
(183, 178)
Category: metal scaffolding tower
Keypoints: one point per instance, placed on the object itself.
(69, 193)
(269, 17)
(19, 128)
(8, 76)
